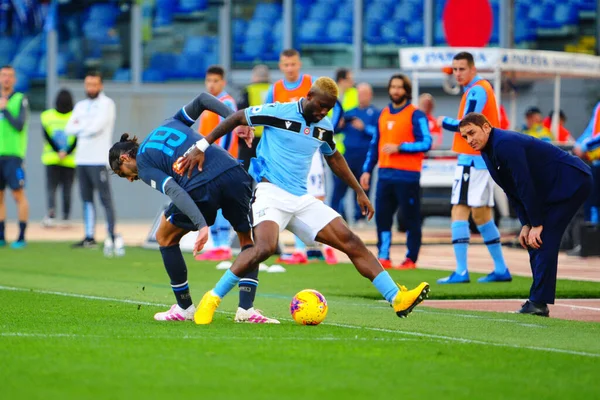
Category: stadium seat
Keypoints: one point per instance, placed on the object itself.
(253, 49)
(376, 13)
(239, 27)
(22, 84)
(371, 33)
(339, 31)
(257, 29)
(311, 31)
(122, 75)
(268, 12)
(277, 32)
(407, 12)
(321, 13)
(345, 12)
(392, 32)
(153, 75)
(414, 32)
(161, 61)
(198, 44)
(192, 5)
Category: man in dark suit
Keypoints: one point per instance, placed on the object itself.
(546, 186)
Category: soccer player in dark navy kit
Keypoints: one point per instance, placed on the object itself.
(222, 184)
(546, 186)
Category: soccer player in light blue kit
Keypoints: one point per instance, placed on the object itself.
(292, 133)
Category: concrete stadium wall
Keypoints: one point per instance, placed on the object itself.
(140, 112)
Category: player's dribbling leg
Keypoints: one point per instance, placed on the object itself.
(266, 235)
(168, 237)
(337, 235)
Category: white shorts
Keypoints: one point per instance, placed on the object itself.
(316, 176)
(472, 187)
(304, 216)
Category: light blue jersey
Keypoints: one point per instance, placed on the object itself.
(287, 146)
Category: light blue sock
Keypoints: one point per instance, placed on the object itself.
(491, 237)
(227, 282)
(386, 286)
(89, 216)
(460, 241)
(299, 244)
(385, 241)
(594, 215)
(224, 228)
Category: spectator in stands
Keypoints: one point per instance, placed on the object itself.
(253, 95)
(534, 127)
(564, 136)
(93, 122)
(58, 156)
(13, 146)
(359, 129)
(427, 105)
(221, 230)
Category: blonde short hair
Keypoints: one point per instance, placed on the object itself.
(325, 85)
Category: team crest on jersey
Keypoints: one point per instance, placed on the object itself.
(390, 125)
(306, 130)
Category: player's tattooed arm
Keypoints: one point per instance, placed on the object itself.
(338, 165)
(195, 155)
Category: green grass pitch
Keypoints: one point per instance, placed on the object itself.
(74, 324)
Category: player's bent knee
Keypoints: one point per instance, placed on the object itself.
(264, 251)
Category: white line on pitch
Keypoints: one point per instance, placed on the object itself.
(408, 333)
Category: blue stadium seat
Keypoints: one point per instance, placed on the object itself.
(277, 32)
(321, 13)
(257, 29)
(345, 12)
(525, 31)
(376, 12)
(22, 84)
(562, 15)
(392, 32)
(339, 31)
(26, 63)
(164, 13)
(190, 66)
(8, 48)
(268, 12)
(311, 31)
(371, 33)
(103, 14)
(407, 12)
(198, 44)
(192, 5)
(122, 75)
(439, 36)
(541, 12)
(414, 32)
(162, 61)
(153, 75)
(239, 27)
(254, 49)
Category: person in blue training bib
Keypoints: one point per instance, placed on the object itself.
(223, 184)
(293, 132)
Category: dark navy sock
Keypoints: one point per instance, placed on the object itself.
(175, 266)
(22, 227)
(248, 285)
(1, 230)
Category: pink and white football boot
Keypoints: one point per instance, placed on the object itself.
(253, 316)
(176, 313)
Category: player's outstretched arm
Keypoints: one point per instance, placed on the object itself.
(195, 155)
(203, 102)
(338, 165)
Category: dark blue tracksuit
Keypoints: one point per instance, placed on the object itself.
(356, 143)
(546, 186)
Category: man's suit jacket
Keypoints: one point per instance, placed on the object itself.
(533, 173)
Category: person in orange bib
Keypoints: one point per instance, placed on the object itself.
(221, 230)
(473, 188)
(399, 146)
(291, 88)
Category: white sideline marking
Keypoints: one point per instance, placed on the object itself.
(408, 333)
(578, 307)
(189, 337)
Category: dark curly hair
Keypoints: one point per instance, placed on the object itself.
(123, 146)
